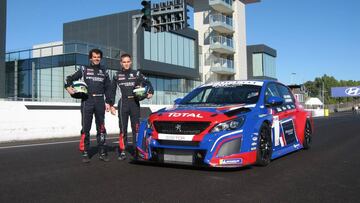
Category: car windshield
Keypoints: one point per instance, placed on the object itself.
(219, 95)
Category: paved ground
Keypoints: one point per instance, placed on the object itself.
(329, 172)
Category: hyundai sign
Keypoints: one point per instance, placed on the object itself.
(345, 91)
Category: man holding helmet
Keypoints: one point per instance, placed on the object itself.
(94, 84)
(133, 87)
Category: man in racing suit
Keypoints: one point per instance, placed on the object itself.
(125, 81)
(97, 79)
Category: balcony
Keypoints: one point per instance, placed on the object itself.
(222, 66)
(223, 6)
(221, 23)
(222, 45)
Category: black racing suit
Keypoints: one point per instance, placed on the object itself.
(97, 79)
(125, 82)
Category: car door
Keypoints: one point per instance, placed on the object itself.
(283, 130)
(287, 116)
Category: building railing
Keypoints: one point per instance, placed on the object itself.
(76, 47)
(224, 41)
(219, 18)
(222, 62)
(229, 2)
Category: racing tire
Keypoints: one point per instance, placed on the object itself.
(264, 149)
(134, 156)
(307, 136)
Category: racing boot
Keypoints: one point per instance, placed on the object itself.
(122, 156)
(103, 156)
(85, 157)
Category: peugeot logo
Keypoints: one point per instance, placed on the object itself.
(353, 91)
(178, 127)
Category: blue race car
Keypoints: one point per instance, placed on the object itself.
(226, 124)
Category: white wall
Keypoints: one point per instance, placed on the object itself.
(47, 49)
(19, 123)
(240, 56)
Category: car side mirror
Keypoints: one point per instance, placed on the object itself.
(274, 101)
(178, 100)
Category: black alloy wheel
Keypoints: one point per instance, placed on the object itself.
(307, 135)
(264, 150)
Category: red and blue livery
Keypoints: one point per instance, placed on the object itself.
(227, 124)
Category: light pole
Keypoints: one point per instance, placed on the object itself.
(292, 78)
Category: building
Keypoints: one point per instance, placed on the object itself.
(2, 46)
(175, 61)
(168, 59)
(38, 74)
(261, 62)
(222, 38)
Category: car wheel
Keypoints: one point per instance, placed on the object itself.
(307, 136)
(264, 149)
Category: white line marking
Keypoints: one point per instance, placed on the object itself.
(43, 144)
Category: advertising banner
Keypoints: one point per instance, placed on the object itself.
(345, 91)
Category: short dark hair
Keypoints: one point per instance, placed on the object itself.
(96, 51)
(125, 55)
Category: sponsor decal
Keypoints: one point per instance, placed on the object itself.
(230, 161)
(233, 83)
(262, 115)
(253, 148)
(288, 129)
(353, 91)
(253, 144)
(254, 138)
(176, 137)
(276, 130)
(345, 91)
(185, 115)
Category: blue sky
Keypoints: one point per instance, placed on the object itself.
(312, 37)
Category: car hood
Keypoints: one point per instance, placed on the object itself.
(200, 113)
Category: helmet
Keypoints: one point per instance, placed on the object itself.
(81, 91)
(140, 92)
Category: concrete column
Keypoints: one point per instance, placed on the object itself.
(15, 79)
(240, 57)
(33, 81)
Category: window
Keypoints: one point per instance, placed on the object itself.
(174, 50)
(271, 90)
(285, 94)
(154, 47)
(167, 47)
(257, 65)
(147, 49)
(161, 46)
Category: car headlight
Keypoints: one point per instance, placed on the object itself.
(228, 125)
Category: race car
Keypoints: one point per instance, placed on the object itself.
(227, 124)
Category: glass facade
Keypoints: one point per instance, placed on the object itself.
(169, 48)
(42, 78)
(264, 65)
(169, 89)
(39, 74)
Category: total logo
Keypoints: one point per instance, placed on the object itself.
(353, 91)
(185, 115)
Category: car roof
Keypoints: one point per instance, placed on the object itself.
(239, 82)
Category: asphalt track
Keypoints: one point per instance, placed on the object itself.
(328, 172)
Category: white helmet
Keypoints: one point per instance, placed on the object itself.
(81, 91)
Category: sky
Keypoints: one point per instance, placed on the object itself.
(311, 37)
